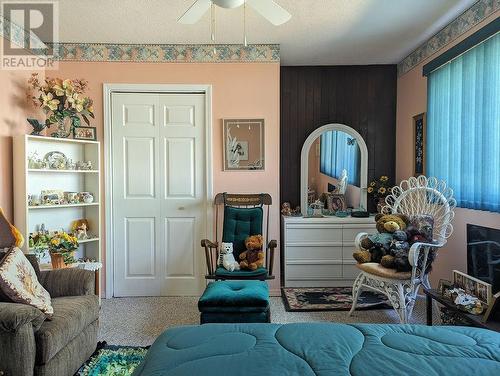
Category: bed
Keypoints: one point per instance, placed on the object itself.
(322, 349)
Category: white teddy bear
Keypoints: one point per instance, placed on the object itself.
(226, 257)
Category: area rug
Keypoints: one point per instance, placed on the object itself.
(329, 299)
(109, 360)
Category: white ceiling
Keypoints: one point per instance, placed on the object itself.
(321, 32)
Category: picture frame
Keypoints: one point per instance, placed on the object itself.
(473, 286)
(444, 284)
(419, 138)
(493, 308)
(243, 144)
(85, 133)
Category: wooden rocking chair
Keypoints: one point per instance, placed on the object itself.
(242, 216)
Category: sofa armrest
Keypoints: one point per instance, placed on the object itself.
(18, 323)
(14, 315)
(68, 282)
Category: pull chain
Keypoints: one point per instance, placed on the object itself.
(213, 27)
(245, 23)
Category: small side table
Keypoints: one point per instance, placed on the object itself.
(474, 320)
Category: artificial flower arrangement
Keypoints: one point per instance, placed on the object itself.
(62, 247)
(379, 189)
(60, 100)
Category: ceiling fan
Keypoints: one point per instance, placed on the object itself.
(267, 8)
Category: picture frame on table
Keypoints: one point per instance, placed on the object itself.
(473, 286)
(493, 308)
(419, 138)
(444, 285)
(85, 133)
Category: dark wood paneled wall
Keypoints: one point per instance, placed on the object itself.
(362, 97)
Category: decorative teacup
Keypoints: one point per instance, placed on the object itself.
(86, 197)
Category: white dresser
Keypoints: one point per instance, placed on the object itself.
(318, 251)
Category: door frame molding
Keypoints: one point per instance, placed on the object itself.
(108, 89)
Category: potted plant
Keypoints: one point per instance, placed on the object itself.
(62, 247)
(63, 102)
(379, 189)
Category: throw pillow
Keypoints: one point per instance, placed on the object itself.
(19, 282)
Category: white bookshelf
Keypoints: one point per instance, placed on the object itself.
(32, 181)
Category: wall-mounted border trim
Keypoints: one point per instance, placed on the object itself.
(471, 41)
(168, 53)
(149, 53)
(478, 12)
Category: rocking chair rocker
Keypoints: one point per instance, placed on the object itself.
(242, 216)
(412, 197)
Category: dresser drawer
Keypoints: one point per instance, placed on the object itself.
(302, 252)
(313, 234)
(350, 232)
(322, 271)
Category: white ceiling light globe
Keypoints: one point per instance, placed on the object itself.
(228, 3)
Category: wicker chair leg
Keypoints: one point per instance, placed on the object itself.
(356, 290)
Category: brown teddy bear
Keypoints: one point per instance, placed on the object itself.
(253, 257)
(375, 247)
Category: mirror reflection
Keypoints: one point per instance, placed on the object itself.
(334, 168)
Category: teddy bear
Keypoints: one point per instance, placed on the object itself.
(419, 229)
(253, 257)
(226, 257)
(376, 246)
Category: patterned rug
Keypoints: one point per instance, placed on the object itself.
(110, 360)
(329, 299)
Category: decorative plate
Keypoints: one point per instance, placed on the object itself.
(56, 160)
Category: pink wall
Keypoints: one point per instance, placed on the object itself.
(240, 90)
(412, 100)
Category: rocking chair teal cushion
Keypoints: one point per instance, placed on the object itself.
(240, 223)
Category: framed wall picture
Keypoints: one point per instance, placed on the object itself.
(473, 286)
(85, 133)
(243, 141)
(419, 134)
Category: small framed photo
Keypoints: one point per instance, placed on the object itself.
(85, 133)
(473, 286)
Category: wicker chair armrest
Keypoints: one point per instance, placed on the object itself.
(358, 239)
(415, 249)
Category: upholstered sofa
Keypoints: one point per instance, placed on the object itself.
(32, 345)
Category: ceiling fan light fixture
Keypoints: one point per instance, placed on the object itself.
(228, 4)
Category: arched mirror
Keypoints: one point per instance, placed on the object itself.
(334, 159)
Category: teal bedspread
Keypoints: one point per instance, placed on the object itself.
(322, 349)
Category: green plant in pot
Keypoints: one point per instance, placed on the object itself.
(62, 101)
(62, 248)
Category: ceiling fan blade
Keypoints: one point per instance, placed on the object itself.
(273, 12)
(195, 12)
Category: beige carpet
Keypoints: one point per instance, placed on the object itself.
(138, 321)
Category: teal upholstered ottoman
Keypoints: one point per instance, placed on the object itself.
(235, 302)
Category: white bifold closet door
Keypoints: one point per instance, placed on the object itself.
(159, 193)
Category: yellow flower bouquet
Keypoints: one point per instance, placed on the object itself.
(62, 101)
(62, 247)
(379, 189)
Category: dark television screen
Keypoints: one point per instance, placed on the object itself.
(483, 254)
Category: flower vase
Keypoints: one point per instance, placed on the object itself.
(57, 260)
(380, 204)
(63, 128)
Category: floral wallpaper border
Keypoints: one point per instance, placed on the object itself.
(168, 53)
(460, 25)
